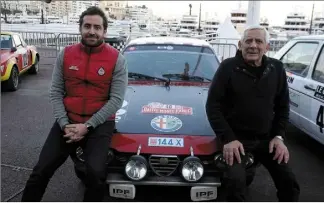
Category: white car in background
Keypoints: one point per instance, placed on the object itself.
(303, 59)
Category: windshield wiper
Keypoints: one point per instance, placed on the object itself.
(189, 77)
(134, 75)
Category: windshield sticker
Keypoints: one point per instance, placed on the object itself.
(131, 48)
(319, 92)
(165, 142)
(166, 123)
(121, 111)
(165, 47)
(160, 108)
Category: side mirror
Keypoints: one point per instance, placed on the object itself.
(13, 49)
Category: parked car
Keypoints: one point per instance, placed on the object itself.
(16, 58)
(162, 133)
(303, 59)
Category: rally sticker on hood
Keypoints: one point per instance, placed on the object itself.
(160, 108)
(166, 123)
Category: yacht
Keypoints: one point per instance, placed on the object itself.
(190, 22)
(238, 19)
(296, 24)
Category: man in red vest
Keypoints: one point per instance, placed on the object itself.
(88, 87)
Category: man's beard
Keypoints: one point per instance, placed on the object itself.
(99, 41)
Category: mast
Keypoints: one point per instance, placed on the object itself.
(253, 15)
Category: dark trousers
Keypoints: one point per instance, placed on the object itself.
(56, 151)
(234, 182)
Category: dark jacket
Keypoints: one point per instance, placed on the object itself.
(241, 106)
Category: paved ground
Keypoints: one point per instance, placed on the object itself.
(26, 117)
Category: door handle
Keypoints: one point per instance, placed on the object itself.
(309, 87)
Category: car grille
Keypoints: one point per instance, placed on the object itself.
(164, 165)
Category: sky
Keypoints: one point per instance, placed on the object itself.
(274, 11)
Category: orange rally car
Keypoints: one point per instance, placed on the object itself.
(16, 58)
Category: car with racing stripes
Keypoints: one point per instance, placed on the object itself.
(162, 134)
(17, 58)
(303, 59)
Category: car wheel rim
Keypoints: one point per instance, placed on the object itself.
(15, 78)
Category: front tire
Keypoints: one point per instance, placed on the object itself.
(12, 84)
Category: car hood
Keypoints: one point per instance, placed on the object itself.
(157, 111)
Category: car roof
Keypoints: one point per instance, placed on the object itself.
(310, 37)
(169, 40)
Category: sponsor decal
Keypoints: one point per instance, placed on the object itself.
(121, 111)
(319, 92)
(166, 123)
(73, 68)
(101, 71)
(159, 108)
(290, 79)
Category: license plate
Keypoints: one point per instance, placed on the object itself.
(200, 193)
(165, 142)
(124, 191)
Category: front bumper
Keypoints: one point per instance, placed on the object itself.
(208, 181)
(121, 187)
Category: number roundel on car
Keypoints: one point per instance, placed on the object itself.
(166, 123)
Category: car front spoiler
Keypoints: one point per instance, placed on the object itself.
(117, 178)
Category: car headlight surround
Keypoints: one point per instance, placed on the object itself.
(136, 167)
(192, 169)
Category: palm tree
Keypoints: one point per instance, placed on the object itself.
(190, 6)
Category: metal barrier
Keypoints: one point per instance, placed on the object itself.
(51, 43)
(224, 50)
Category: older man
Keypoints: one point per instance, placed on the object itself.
(248, 109)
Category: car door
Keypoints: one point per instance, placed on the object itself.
(298, 60)
(28, 53)
(22, 53)
(314, 91)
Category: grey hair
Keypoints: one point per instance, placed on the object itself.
(256, 27)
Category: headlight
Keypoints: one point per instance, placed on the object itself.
(136, 167)
(220, 161)
(192, 169)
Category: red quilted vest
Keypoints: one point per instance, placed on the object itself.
(87, 75)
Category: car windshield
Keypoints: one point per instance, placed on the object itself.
(177, 62)
(6, 41)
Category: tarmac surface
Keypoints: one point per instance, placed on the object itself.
(26, 117)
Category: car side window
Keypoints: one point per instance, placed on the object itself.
(318, 72)
(298, 59)
(24, 44)
(17, 41)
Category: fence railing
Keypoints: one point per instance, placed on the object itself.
(224, 48)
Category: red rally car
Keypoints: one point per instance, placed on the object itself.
(162, 133)
(16, 58)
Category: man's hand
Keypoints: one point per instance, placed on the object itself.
(75, 132)
(282, 152)
(231, 149)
